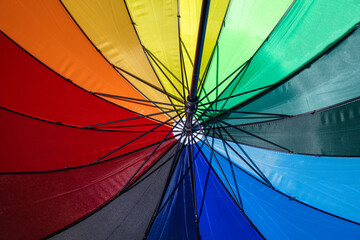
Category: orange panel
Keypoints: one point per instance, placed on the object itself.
(44, 28)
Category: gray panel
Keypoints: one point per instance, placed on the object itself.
(128, 216)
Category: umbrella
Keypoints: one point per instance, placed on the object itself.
(180, 119)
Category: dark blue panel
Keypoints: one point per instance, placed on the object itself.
(220, 217)
(177, 218)
(278, 217)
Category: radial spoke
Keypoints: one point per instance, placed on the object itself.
(127, 119)
(124, 145)
(136, 99)
(238, 202)
(143, 164)
(243, 112)
(187, 53)
(236, 95)
(149, 84)
(192, 166)
(252, 167)
(144, 103)
(174, 164)
(156, 61)
(223, 81)
(217, 161)
(248, 133)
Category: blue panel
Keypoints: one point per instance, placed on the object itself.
(278, 217)
(331, 184)
(219, 216)
(177, 218)
(224, 170)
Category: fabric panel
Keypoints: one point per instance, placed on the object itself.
(219, 216)
(128, 216)
(34, 206)
(247, 25)
(109, 27)
(38, 91)
(280, 217)
(46, 30)
(295, 42)
(328, 183)
(177, 218)
(334, 132)
(35, 145)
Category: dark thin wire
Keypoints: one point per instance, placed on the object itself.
(182, 65)
(156, 61)
(136, 99)
(151, 56)
(86, 165)
(153, 105)
(101, 52)
(173, 167)
(232, 169)
(292, 198)
(241, 66)
(118, 148)
(66, 125)
(187, 53)
(206, 182)
(217, 73)
(102, 206)
(248, 133)
(192, 165)
(244, 112)
(185, 74)
(147, 57)
(214, 172)
(69, 80)
(128, 119)
(249, 60)
(221, 169)
(147, 159)
(212, 52)
(254, 167)
(243, 72)
(150, 85)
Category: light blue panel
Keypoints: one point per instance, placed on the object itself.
(278, 217)
(331, 184)
(220, 217)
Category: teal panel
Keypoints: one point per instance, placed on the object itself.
(334, 132)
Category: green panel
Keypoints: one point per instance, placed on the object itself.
(309, 28)
(247, 25)
(331, 132)
(327, 81)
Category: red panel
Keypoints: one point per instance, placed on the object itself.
(33, 145)
(27, 86)
(33, 206)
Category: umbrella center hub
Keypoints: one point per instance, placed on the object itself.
(186, 129)
(187, 134)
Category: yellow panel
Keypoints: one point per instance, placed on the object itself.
(190, 11)
(217, 13)
(109, 27)
(157, 26)
(44, 28)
